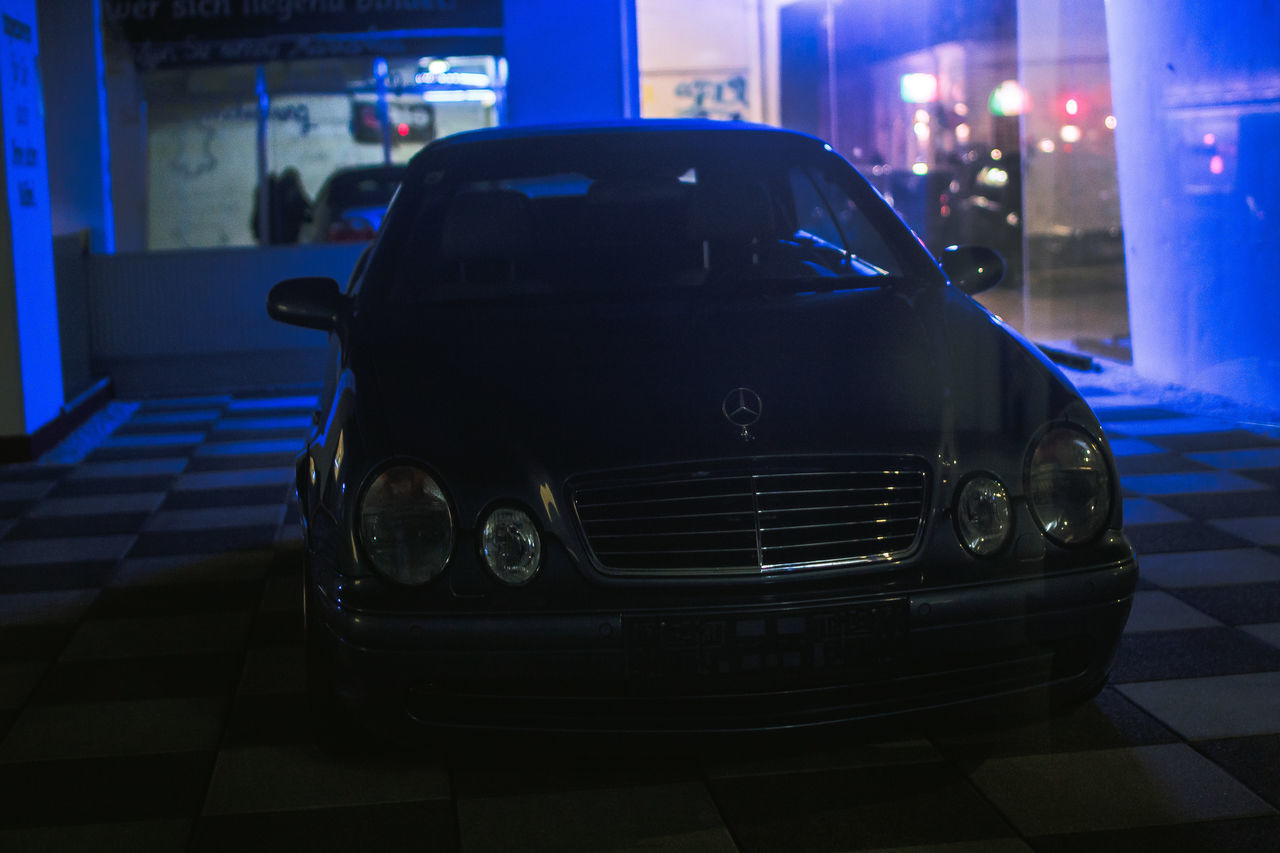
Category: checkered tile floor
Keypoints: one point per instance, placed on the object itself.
(151, 692)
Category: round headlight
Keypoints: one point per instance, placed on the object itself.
(406, 527)
(511, 545)
(983, 518)
(1069, 485)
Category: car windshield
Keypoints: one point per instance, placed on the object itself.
(628, 213)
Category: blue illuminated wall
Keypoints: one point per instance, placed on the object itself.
(570, 60)
(1196, 91)
(30, 360)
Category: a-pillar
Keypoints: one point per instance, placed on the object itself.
(1196, 91)
(30, 361)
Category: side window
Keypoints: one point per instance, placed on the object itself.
(850, 228)
(813, 215)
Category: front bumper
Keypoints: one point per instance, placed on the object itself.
(779, 665)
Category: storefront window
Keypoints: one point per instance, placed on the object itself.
(988, 122)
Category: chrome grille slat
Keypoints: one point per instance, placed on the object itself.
(786, 515)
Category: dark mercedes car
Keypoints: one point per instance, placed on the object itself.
(674, 425)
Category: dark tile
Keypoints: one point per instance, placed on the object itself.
(79, 525)
(101, 790)
(127, 454)
(253, 496)
(1137, 413)
(32, 642)
(170, 677)
(160, 600)
(236, 462)
(387, 828)
(276, 628)
(199, 422)
(1235, 604)
(1095, 390)
(1181, 536)
(1270, 476)
(13, 509)
(32, 472)
(1224, 504)
(47, 577)
(1255, 761)
(165, 543)
(1158, 655)
(78, 488)
(1214, 836)
(915, 804)
(507, 766)
(1230, 440)
(260, 719)
(1157, 463)
(1110, 721)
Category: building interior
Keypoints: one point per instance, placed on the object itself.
(1119, 158)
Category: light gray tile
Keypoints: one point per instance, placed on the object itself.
(1154, 610)
(210, 480)
(71, 549)
(1216, 707)
(25, 490)
(17, 680)
(255, 404)
(1167, 426)
(159, 836)
(251, 448)
(1261, 530)
(1211, 568)
(97, 505)
(194, 633)
(191, 569)
(64, 607)
(1144, 511)
(301, 776)
(1113, 789)
(1240, 460)
(659, 817)
(297, 423)
(215, 518)
(1133, 447)
(131, 468)
(96, 729)
(1268, 632)
(1190, 482)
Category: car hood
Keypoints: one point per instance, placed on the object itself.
(494, 390)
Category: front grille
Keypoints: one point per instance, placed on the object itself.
(772, 516)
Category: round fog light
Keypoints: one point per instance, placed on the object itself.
(511, 545)
(983, 517)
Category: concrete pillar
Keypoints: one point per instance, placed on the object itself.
(570, 61)
(1196, 90)
(30, 356)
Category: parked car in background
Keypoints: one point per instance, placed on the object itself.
(351, 203)
(674, 425)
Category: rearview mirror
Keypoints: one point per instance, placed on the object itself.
(973, 269)
(313, 302)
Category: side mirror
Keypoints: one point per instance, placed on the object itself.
(313, 302)
(973, 269)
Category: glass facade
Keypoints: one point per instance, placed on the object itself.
(987, 122)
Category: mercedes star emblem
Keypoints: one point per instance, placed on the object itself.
(742, 407)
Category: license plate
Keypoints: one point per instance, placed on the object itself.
(805, 645)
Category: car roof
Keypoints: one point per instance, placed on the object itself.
(619, 126)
